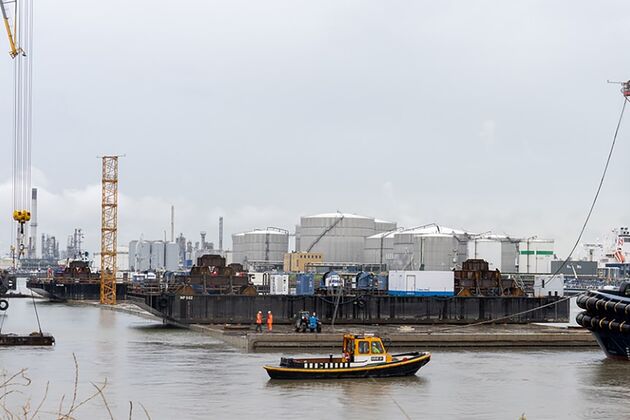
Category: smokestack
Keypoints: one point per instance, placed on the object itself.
(172, 223)
(220, 233)
(33, 240)
(203, 240)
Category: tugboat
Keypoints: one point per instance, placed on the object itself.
(364, 356)
(607, 316)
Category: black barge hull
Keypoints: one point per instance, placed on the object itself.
(368, 309)
(62, 291)
(34, 339)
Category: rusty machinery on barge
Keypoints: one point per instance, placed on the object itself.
(210, 276)
(76, 281)
(207, 297)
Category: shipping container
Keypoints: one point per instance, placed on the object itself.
(258, 279)
(549, 285)
(305, 284)
(421, 283)
(278, 284)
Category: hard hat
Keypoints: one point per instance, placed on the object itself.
(268, 312)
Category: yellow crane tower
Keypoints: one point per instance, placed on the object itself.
(109, 229)
(17, 17)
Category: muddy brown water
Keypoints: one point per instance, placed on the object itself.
(179, 374)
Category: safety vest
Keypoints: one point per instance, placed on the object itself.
(269, 319)
(258, 318)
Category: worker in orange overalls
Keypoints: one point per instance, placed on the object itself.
(259, 321)
(269, 321)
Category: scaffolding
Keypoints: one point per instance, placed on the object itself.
(109, 229)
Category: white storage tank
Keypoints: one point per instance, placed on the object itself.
(260, 245)
(133, 245)
(339, 237)
(421, 283)
(499, 251)
(439, 252)
(379, 248)
(142, 257)
(122, 261)
(429, 247)
(509, 255)
(403, 251)
(171, 262)
(157, 255)
(535, 256)
(384, 226)
(122, 258)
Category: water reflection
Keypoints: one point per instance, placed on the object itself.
(177, 373)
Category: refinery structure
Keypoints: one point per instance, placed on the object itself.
(345, 239)
(339, 240)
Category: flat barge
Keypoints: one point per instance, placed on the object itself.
(33, 339)
(74, 282)
(364, 309)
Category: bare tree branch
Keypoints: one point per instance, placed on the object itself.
(145, 411)
(100, 392)
(41, 403)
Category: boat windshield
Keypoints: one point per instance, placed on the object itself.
(364, 347)
(377, 347)
(349, 346)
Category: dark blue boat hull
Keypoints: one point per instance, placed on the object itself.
(607, 316)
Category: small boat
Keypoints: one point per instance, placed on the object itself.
(364, 356)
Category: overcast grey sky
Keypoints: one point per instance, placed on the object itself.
(485, 115)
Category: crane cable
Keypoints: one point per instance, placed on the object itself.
(22, 119)
(577, 241)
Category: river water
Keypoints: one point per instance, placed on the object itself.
(178, 374)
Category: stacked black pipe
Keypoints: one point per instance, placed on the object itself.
(606, 310)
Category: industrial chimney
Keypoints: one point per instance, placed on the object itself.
(203, 240)
(220, 233)
(33, 241)
(172, 223)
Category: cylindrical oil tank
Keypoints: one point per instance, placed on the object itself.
(133, 245)
(157, 255)
(437, 252)
(486, 249)
(499, 251)
(122, 259)
(142, 257)
(260, 245)
(379, 248)
(535, 256)
(509, 255)
(171, 262)
(403, 251)
(384, 226)
(339, 237)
